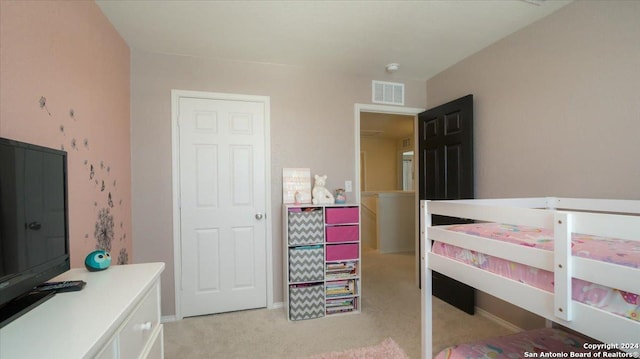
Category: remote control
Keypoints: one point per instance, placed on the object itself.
(60, 287)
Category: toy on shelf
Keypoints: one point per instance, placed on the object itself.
(97, 260)
(321, 194)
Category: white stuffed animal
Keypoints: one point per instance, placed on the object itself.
(321, 195)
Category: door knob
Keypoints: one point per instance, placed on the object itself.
(259, 216)
(34, 226)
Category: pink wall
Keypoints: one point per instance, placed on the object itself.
(69, 53)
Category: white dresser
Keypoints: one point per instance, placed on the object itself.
(116, 315)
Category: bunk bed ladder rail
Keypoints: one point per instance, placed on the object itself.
(425, 273)
(563, 227)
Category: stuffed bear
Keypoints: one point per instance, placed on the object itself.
(321, 195)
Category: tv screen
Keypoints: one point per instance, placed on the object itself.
(34, 234)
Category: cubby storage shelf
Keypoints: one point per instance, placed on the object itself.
(321, 250)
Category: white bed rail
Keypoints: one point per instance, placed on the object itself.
(619, 220)
(563, 265)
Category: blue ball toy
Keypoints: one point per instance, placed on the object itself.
(97, 260)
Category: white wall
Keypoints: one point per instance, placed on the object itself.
(396, 214)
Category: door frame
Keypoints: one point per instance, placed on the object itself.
(175, 154)
(392, 110)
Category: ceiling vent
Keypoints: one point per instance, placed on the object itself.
(388, 93)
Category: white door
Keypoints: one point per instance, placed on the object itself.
(223, 200)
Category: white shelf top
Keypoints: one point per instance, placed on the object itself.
(71, 325)
(305, 205)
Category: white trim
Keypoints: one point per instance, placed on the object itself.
(168, 319)
(175, 184)
(363, 155)
(177, 255)
(393, 110)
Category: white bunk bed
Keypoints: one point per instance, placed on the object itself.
(618, 219)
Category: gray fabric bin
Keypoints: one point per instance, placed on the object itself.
(306, 302)
(306, 227)
(306, 263)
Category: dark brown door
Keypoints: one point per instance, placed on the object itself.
(446, 172)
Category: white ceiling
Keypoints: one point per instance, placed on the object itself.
(354, 37)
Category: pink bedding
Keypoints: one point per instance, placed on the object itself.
(622, 252)
(529, 344)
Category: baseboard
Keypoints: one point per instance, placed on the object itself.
(167, 319)
(172, 318)
(483, 313)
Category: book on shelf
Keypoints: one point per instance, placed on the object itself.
(341, 288)
(340, 310)
(341, 270)
(342, 266)
(334, 306)
(339, 302)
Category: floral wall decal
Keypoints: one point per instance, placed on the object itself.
(123, 257)
(104, 230)
(43, 104)
(74, 94)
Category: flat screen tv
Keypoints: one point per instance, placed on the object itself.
(34, 225)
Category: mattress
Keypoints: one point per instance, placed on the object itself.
(528, 344)
(617, 251)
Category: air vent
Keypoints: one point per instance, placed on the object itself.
(388, 93)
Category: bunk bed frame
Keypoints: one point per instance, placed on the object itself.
(607, 218)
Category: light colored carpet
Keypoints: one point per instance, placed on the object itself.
(390, 309)
(388, 349)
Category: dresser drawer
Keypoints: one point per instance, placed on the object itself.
(110, 350)
(141, 325)
(155, 348)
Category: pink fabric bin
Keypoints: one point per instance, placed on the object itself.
(338, 252)
(342, 215)
(342, 234)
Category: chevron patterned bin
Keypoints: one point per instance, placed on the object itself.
(305, 228)
(306, 301)
(306, 263)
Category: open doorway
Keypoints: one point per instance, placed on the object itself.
(375, 188)
(388, 139)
